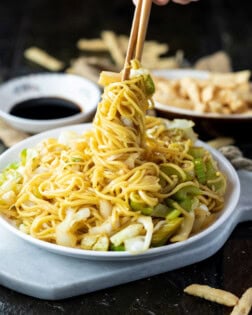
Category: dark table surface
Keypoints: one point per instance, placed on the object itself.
(199, 29)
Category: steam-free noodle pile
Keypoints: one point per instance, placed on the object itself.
(131, 183)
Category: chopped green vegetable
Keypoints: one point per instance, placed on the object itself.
(218, 184)
(184, 198)
(214, 179)
(172, 169)
(2, 178)
(162, 235)
(160, 210)
(119, 248)
(23, 156)
(211, 168)
(149, 85)
(197, 152)
(189, 204)
(76, 159)
(13, 166)
(200, 170)
(186, 191)
(173, 214)
(170, 203)
(176, 204)
(143, 208)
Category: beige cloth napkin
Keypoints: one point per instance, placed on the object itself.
(9, 135)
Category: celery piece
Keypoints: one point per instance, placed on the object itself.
(211, 168)
(214, 179)
(186, 197)
(173, 214)
(146, 211)
(23, 156)
(173, 204)
(149, 85)
(119, 248)
(187, 204)
(186, 191)
(13, 166)
(171, 169)
(200, 171)
(76, 159)
(137, 206)
(162, 235)
(197, 152)
(170, 203)
(218, 184)
(160, 210)
(2, 178)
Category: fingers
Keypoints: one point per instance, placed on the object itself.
(161, 2)
(183, 1)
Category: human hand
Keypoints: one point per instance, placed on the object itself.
(163, 2)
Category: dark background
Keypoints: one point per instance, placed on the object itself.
(199, 29)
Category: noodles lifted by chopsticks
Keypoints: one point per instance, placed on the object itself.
(131, 183)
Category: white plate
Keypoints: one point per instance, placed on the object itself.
(201, 239)
(76, 89)
(182, 73)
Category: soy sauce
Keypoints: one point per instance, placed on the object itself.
(45, 108)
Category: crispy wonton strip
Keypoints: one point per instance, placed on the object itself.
(110, 39)
(212, 294)
(95, 44)
(42, 58)
(244, 304)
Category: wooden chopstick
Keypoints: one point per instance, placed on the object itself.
(132, 40)
(137, 34)
(142, 29)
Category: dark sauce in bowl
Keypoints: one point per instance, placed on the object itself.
(45, 108)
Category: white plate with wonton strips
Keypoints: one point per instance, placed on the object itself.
(177, 98)
(217, 109)
(197, 247)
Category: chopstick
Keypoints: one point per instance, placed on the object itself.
(137, 34)
(144, 20)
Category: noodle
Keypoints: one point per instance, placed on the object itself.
(131, 183)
